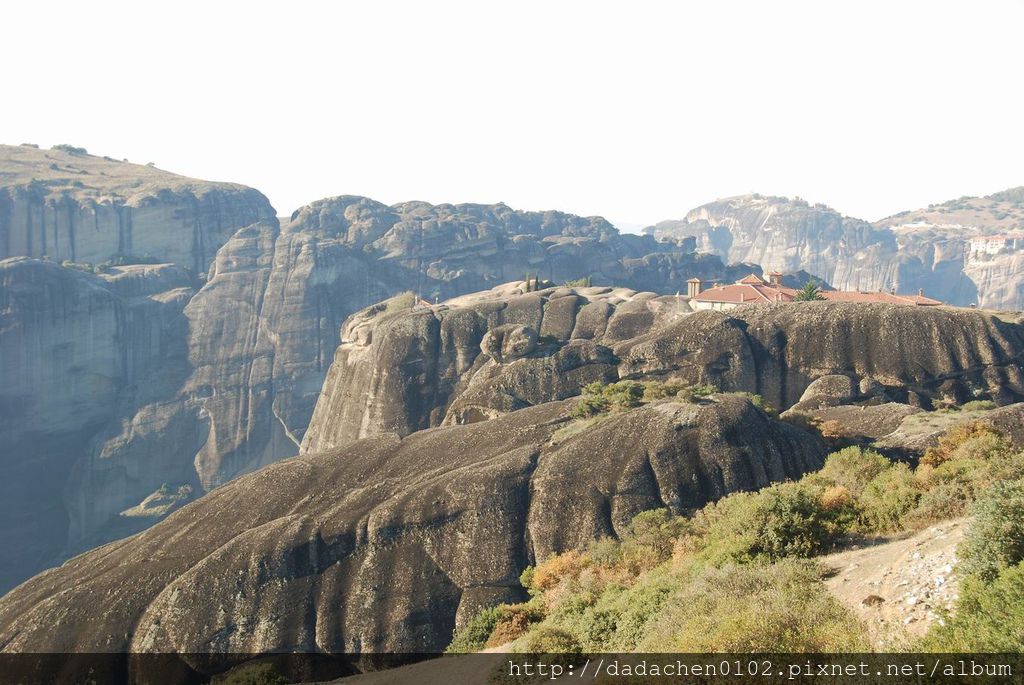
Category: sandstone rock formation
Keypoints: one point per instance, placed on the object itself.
(388, 544)
(926, 249)
(403, 371)
(68, 205)
(78, 352)
(227, 354)
(123, 386)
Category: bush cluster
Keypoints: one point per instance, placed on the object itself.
(738, 575)
(990, 613)
(601, 397)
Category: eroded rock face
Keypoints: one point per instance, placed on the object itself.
(236, 388)
(388, 544)
(927, 249)
(508, 342)
(398, 370)
(408, 370)
(77, 353)
(74, 206)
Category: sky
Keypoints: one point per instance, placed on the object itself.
(635, 111)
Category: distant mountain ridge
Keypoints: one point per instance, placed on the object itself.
(928, 249)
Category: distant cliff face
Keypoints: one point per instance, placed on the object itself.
(80, 352)
(73, 206)
(927, 249)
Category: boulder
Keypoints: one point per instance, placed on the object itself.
(509, 342)
(827, 391)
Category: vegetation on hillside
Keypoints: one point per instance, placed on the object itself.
(739, 575)
(598, 397)
(115, 260)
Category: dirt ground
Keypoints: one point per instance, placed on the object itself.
(899, 586)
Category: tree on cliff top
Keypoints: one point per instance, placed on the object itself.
(809, 293)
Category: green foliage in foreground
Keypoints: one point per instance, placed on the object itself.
(989, 617)
(990, 613)
(739, 574)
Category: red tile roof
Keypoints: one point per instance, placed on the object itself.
(747, 292)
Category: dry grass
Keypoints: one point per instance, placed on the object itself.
(84, 176)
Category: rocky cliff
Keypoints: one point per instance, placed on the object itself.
(207, 366)
(388, 544)
(926, 249)
(406, 370)
(64, 204)
(77, 353)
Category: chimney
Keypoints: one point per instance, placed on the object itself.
(775, 279)
(693, 287)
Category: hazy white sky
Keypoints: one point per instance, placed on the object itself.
(637, 111)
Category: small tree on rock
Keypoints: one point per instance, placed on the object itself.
(809, 293)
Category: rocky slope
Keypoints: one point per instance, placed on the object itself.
(388, 544)
(64, 204)
(476, 357)
(242, 338)
(900, 587)
(925, 249)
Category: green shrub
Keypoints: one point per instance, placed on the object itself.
(595, 628)
(761, 403)
(578, 282)
(650, 539)
(754, 608)
(400, 302)
(476, 632)
(590, 405)
(635, 608)
(624, 394)
(949, 489)
(256, 674)
(657, 390)
(548, 640)
(78, 266)
(70, 149)
(786, 520)
(986, 438)
(989, 617)
(526, 577)
(888, 498)
(995, 539)
(598, 397)
(694, 393)
(978, 405)
(853, 468)
(605, 552)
